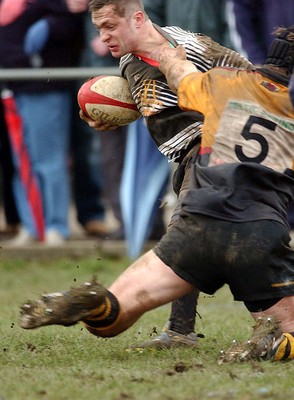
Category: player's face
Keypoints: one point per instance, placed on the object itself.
(118, 33)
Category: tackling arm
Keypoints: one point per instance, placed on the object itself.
(174, 66)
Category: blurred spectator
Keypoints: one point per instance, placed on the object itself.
(251, 27)
(100, 169)
(10, 214)
(39, 34)
(97, 162)
(88, 184)
(208, 17)
(254, 22)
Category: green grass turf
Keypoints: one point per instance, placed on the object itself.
(59, 363)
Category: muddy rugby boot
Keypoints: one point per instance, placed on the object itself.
(63, 308)
(168, 339)
(266, 337)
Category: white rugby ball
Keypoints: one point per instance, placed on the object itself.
(109, 99)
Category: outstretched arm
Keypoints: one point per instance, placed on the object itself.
(174, 65)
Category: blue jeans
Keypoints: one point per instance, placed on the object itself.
(88, 184)
(46, 130)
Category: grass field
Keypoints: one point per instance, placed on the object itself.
(60, 363)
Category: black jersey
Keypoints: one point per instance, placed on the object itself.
(174, 131)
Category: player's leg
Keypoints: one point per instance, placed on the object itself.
(270, 300)
(281, 347)
(180, 328)
(282, 310)
(182, 319)
(145, 285)
(273, 333)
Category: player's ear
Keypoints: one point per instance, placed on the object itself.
(139, 18)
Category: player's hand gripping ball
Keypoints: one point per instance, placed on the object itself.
(109, 99)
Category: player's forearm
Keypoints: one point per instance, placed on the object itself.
(174, 66)
(176, 71)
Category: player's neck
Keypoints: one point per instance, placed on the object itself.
(151, 44)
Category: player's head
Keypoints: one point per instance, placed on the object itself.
(281, 52)
(122, 24)
(121, 7)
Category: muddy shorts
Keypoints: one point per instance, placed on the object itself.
(253, 258)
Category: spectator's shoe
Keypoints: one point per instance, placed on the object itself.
(96, 229)
(117, 235)
(63, 308)
(168, 339)
(263, 345)
(54, 239)
(22, 239)
(9, 230)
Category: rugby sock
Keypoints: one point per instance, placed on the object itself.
(284, 350)
(183, 313)
(105, 317)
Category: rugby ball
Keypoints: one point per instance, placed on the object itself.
(108, 98)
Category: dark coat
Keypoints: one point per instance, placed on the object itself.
(255, 22)
(61, 50)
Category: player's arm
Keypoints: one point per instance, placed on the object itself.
(97, 124)
(173, 64)
(184, 78)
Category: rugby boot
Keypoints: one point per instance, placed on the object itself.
(267, 335)
(168, 339)
(63, 308)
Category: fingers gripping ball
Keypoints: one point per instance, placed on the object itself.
(108, 98)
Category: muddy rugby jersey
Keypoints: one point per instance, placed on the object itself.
(245, 164)
(173, 130)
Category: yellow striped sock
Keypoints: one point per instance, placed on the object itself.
(285, 349)
(104, 317)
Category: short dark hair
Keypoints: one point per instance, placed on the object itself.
(120, 6)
